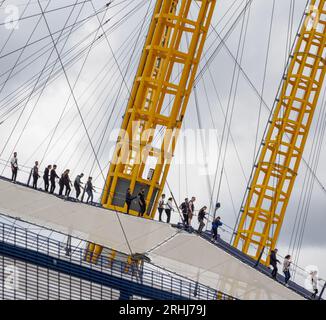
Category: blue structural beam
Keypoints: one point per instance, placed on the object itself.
(126, 287)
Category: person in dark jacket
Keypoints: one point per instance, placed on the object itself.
(142, 203)
(184, 207)
(53, 176)
(46, 177)
(89, 190)
(67, 183)
(215, 225)
(129, 199)
(201, 217)
(35, 175)
(63, 182)
(273, 262)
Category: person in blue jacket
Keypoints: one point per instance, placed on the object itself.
(215, 225)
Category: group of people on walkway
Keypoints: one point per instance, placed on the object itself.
(165, 204)
(286, 265)
(287, 262)
(141, 201)
(187, 209)
(50, 178)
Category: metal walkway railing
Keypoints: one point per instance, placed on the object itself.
(47, 253)
(261, 268)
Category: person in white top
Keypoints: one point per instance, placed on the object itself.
(14, 167)
(168, 209)
(161, 207)
(286, 268)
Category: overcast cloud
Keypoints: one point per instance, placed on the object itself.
(97, 95)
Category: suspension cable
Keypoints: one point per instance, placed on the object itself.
(23, 109)
(74, 86)
(80, 114)
(48, 11)
(231, 103)
(21, 53)
(13, 29)
(264, 78)
(132, 11)
(79, 22)
(102, 119)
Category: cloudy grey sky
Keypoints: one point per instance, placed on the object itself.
(102, 96)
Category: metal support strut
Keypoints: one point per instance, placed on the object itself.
(158, 102)
(282, 149)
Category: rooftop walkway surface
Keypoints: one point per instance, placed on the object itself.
(219, 266)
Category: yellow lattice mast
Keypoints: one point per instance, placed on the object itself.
(165, 77)
(281, 153)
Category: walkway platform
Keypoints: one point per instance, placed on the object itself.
(188, 255)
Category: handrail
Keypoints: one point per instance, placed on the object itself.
(22, 237)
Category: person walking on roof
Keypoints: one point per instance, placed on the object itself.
(286, 268)
(53, 176)
(89, 190)
(64, 182)
(46, 177)
(184, 207)
(314, 282)
(142, 203)
(201, 217)
(129, 199)
(161, 207)
(169, 209)
(78, 185)
(35, 175)
(273, 262)
(61, 184)
(191, 211)
(215, 225)
(67, 183)
(14, 167)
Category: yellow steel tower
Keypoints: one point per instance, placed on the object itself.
(158, 102)
(281, 153)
